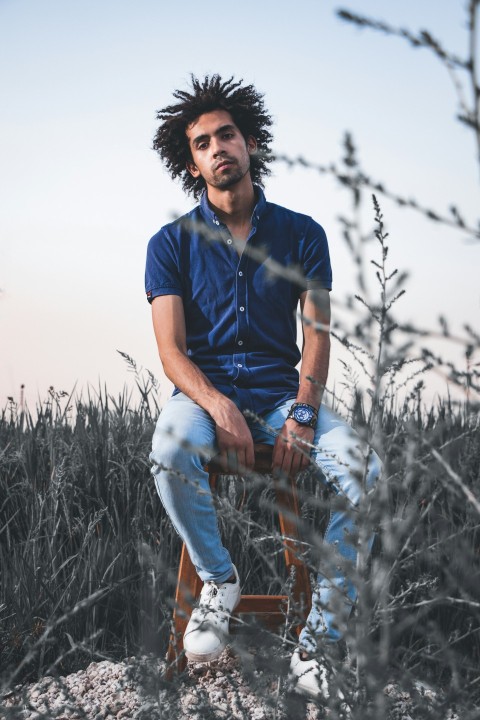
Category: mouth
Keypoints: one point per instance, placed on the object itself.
(224, 165)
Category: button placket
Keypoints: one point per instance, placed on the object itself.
(239, 358)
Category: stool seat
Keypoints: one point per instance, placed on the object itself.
(269, 610)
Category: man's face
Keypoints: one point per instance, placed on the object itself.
(219, 151)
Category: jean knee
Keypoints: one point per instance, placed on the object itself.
(168, 453)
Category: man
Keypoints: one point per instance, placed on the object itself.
(225, 282)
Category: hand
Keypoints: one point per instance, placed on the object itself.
(234, 438)
(290, 454)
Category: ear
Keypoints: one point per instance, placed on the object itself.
(251, 145)
(192, 169)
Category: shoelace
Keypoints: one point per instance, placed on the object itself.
(211, 592)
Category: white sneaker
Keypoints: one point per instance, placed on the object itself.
(207, 630)
(308, 677)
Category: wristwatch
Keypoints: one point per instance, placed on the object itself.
(304, 414)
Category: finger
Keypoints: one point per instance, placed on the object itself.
(286, 462)
(232, 460)
(277, 454)
(296, 463)
(278, 470)
(241, 459)
(250, 457)
(224, 459)
(306, 456)
(305, 461)
(299, 454)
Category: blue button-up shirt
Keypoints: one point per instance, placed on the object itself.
(240, 310)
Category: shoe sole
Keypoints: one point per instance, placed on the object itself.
(306, 692)
(193, 657)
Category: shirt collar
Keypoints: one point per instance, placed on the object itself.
(258, 210)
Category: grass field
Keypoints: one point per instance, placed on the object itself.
(88, 558)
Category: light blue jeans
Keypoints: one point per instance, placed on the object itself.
(185, 440)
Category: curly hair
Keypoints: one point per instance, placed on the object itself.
(245, 105)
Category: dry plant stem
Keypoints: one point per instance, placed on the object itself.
(470, 115)
(363, 611)
(473, 10)
(379, 187)
(457, 480)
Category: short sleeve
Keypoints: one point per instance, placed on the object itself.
(316, 257)
(162, 270)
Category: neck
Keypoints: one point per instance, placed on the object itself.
(234, 205)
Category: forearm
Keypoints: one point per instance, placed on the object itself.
(315, 307)
(233, 435)
(294, 443)
(169, 325)
(314, 370)
(188, 378)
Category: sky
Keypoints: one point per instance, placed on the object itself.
(82, 192)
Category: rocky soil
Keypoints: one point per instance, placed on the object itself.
(136, 689)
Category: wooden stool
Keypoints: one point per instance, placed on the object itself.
(269, 609)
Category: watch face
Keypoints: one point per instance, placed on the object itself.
(303, 414)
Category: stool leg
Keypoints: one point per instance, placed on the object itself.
(288, 515)
(188, 589)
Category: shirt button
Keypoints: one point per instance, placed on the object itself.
(216, 222)
(239, 365)
(229, 241)
(240, 273)
(241, 308)
(240, 342)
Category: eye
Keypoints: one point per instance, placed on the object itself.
(202, 146)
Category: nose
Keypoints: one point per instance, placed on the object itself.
(217, 147)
